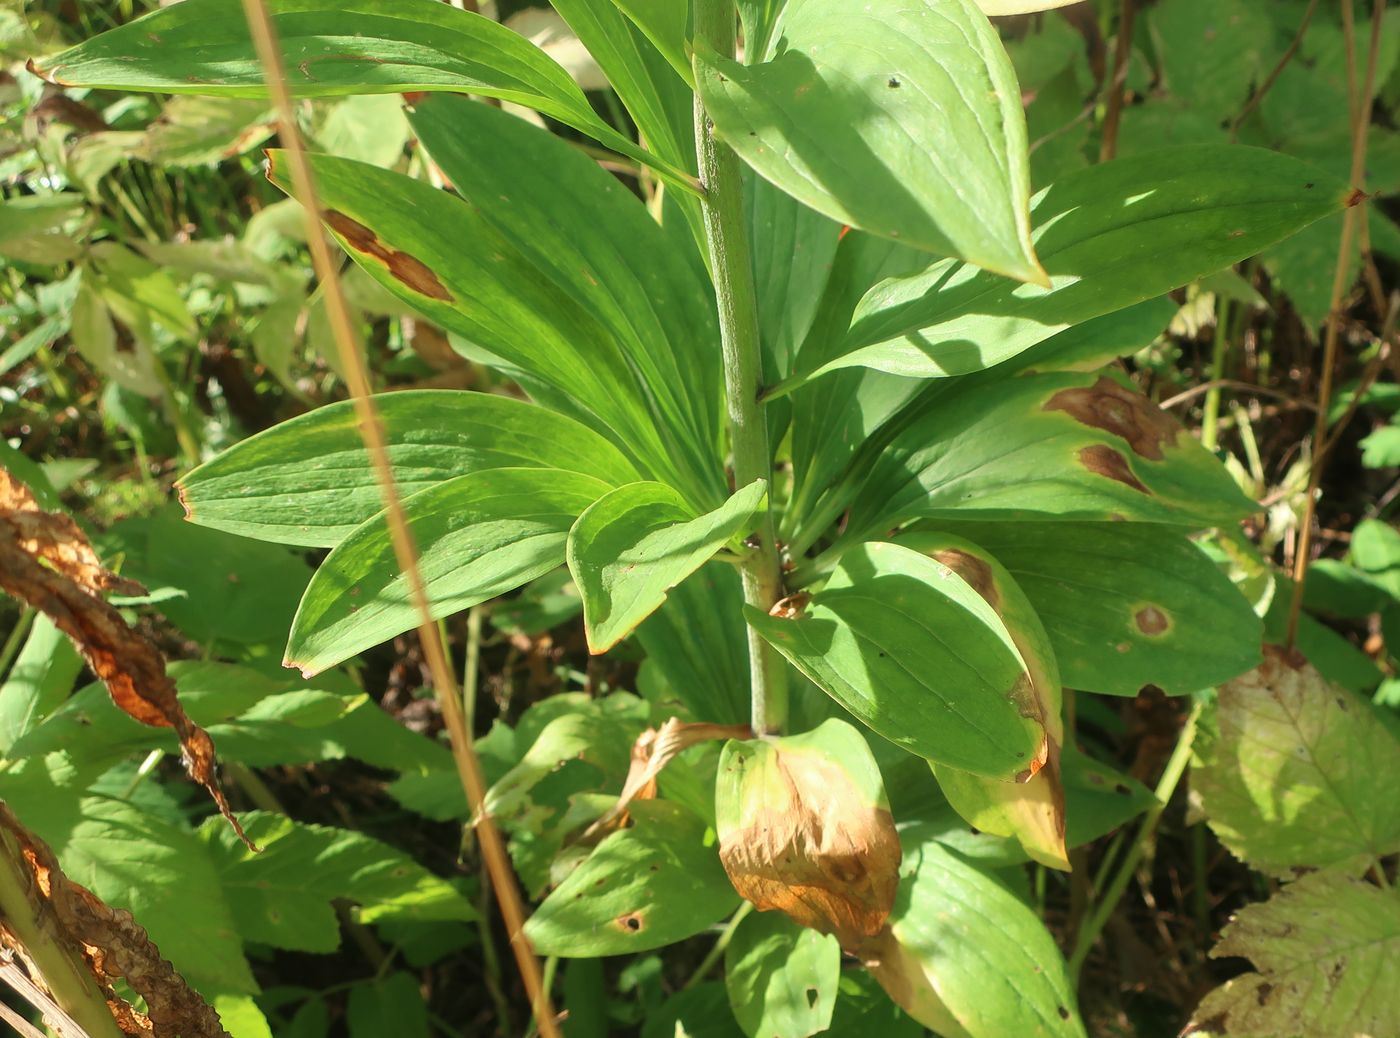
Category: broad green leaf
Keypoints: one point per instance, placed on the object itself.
(199, 131)
(967, 958)
(595, 242)
(696, 648)
(38, 680)
(1210, 51)
(1052, 446)
(130, 365)
(335, 50)
(1109, 236)
(478, 535)
(864, 1010)
(1091, 344)
(804, 828)
(28, 216)
(1326, 953)
(1375, 551)
(140, 294)
(1296, 772)
(636, 543)
(449, 262)
(1126, 604)
(781, 978)
(701, 1011)
(1381, 448)
(909, 648)
(915, 134)
(999, 8)
(644, 887)
(282, 896)
(391, 1005)
(309, 481)
(1033, 811)
(162, 874)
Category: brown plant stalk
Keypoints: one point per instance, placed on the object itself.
(493, 848)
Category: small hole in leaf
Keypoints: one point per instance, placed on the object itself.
(1122, 790)
(894, 83)
(1064, 1013)
(812, 995)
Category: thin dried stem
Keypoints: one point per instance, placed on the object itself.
(357, 379)
(1269, 80)
(1360, 105)
(1113, 111)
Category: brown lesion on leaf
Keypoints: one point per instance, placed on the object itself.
(976, 572)
(1152, 621)
(111, 943)
(1108, 406)
(814, 849)
(412, 271)
(46, 562)
(1103, 460)
(631, 922)
(792, 607)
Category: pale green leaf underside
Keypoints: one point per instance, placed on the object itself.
(332, 50)
(478, 536)
(638, 542)
(1296, 772)
(309, 481)
(900, 117)
(1327, 952)
(644, 887)
(1109, 236)
(912, 651)
(282, 897)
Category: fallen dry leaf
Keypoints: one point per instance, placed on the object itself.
(112, 944)
(47, 562)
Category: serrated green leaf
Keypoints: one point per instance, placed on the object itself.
(909, 648)
(479, 536)
(644, 887)
(1296, 772)
(1109, 235)
(1127, 604)
(1381, 449)
(1062, 446)
(969, 959)
(781, 978)
(1326, 949)
(282, 896)
(356, 47)
(917, 134)
(309, 480)
(636, 543)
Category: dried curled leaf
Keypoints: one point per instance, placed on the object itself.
(47, 562)
(113, 944)
(804, 828)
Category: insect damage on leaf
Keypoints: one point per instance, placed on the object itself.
(47, 562)
(798, 833)
(1103, 460)
(114, 945)
(1151, 621)
(412, 271)
(1108, 406)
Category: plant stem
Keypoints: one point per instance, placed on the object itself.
(716, 952)
(1166, 786)
(732, 267)
(1210, 426)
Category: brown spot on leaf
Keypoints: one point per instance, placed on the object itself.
(412, 271)
(632, 922)
(1355, 197)
(791, 607)
(808, 844)
(976, 572)
(1108, 406)
(1151, 621)
(47, 562)
(1103, 460)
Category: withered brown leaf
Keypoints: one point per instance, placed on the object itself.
(46, 561)
(804, 828)
(111, 942)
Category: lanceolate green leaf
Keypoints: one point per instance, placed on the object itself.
(909, 648)
(915, 133)
(1061, 446)
(1127, 604)
(334, 49)
(595, 242)
(968, 958)
(1109, 235)
(449, 262)
(479, 535)
(666, 23)
(309, 481)
(645, 887)
(638, 542)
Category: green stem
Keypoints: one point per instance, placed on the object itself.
(17, 635)
(725, 235)
(1166, 786)
(716, 953)
(1210, 425)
